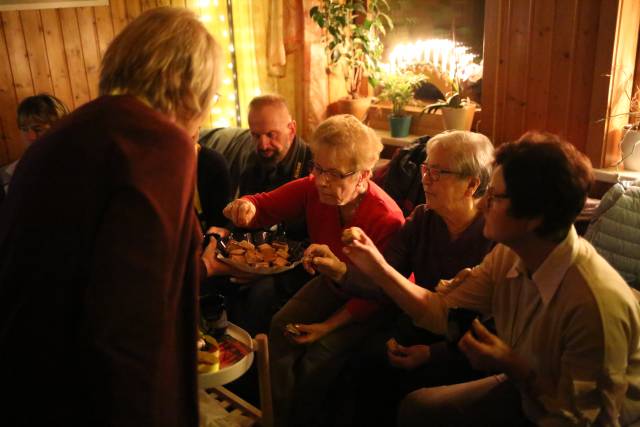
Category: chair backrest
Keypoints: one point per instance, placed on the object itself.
(401, 178)
(615, 231)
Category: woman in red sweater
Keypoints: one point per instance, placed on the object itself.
(337, 195)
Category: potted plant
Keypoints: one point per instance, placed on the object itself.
(399, 88)
(457, 112)
(351, 30)
(630, 142)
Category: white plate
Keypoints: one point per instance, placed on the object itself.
(232, 372)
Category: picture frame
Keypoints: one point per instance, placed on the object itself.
(6, 5)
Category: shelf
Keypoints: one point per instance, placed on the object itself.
(612, 176)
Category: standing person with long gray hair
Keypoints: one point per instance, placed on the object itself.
(99, 258)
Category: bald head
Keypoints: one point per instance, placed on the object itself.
(272, 128)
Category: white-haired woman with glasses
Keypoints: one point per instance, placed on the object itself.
(439, 239)
(337, 195)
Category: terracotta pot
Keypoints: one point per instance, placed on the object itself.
(630, 148)
(458, 118)
(357, 107)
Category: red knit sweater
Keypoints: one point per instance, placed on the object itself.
(378, 215)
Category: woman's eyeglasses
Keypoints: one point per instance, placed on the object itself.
(490, 197)
(330, 174)
(435, 173)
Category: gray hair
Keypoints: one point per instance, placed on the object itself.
(350, 140)
(471, 155)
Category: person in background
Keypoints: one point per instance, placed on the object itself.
(100, 258)
(337, 195)
(213, 189)
(439, 239)
(567, 347)
(35, 115)
(265, 156)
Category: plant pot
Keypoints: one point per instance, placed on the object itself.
(630, 148)
(357, 107)
(458, 118)
(399, 126)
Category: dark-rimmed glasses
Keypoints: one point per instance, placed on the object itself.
(330, 174)
(435, 173)
(490, 196)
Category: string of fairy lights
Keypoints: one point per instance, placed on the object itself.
(217, 16)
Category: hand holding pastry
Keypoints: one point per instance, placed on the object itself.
(363, 252)
(352, 234)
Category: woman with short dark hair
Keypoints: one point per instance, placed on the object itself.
(35, 115)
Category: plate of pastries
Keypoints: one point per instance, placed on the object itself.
(260, 252)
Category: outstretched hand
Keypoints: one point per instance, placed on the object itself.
(365, 255)
(320, 258)
(241, 212)
(310, 333)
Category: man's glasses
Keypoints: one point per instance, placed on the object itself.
(435, 173)
(330, 174)
(490, 197)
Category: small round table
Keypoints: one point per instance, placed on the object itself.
(230, 373)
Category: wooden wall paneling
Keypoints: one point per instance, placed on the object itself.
(10, 135)
(583, 73)
(20, 70)
(36, 51)
(539, 73)
(562, 64)
(600, 87)
(503, 68)
(104, 28)
(57, 57)
(90, 50)
(149, 4)
(492, 62)
(133, 9)
(118, 15)
(18, 56)
(518, 66)
(75, 57)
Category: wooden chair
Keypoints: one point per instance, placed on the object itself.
(232, 402)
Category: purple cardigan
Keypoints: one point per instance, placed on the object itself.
(423, 247)
(98, 273)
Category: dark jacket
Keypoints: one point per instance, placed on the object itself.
(214, 187)
(249, 175)
(99, 273)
